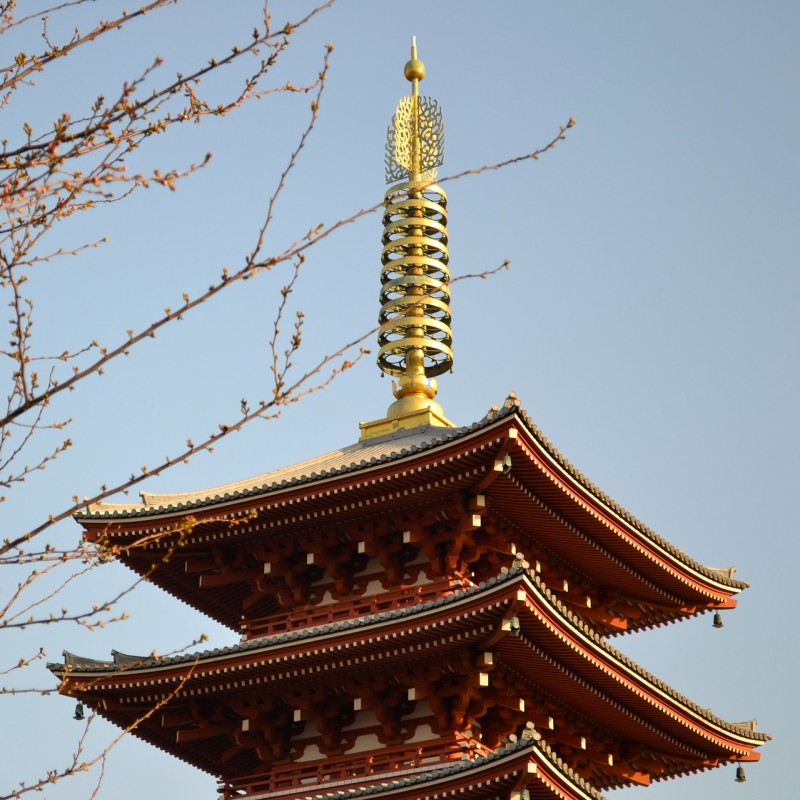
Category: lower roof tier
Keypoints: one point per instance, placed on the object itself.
(524, 766)
(482, 662)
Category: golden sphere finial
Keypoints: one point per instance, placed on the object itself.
(414, 70)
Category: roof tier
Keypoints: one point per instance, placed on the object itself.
(507, 652)
(228, 551)
(525, 765)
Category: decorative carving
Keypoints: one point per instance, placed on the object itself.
(416, 134)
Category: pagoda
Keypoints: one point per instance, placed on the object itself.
(427, 612)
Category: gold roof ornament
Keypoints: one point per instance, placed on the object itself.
(415, 338)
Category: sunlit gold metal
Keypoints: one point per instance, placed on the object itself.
(415, 337)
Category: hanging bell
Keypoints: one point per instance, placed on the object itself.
(718, 623)
(740, 776)
(78, 711)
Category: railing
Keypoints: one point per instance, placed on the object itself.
(361, 768)
(336, 612)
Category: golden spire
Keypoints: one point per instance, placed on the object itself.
(415, 336)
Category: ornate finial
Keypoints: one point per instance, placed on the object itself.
(415, 142)
(415, 336)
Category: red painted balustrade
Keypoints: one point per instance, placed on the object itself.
(336, 612)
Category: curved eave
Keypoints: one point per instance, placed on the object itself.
(655, 597)
(412, 475)
(609, 678)
(555, 649)
(408, 483)
(545, 473)
(458, 613)
(357, 463)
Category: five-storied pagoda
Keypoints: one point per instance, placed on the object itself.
(425, 613)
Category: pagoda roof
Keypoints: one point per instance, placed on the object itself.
(324, 641)
(548, 777)
(350, 459)
(393, 450)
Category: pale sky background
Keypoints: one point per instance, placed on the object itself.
(649, 322)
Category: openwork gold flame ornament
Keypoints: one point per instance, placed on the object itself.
(415, 337)
(415, 142)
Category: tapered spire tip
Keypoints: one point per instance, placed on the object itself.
(414, 69)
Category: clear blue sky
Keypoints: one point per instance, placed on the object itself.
(649, 322)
